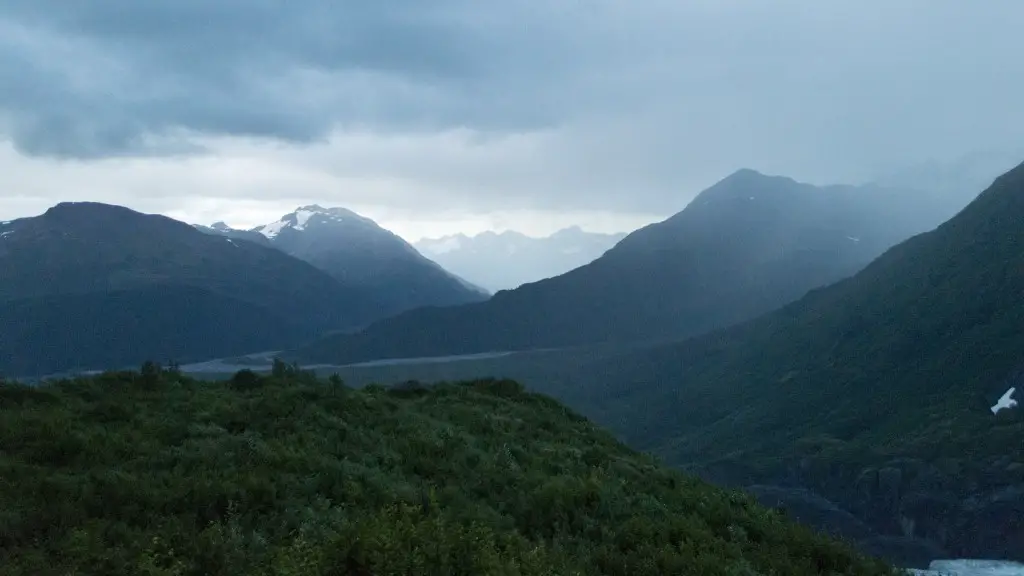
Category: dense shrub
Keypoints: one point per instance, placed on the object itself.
(287, 475)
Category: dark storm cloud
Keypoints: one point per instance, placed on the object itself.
(95, 78)
(621, 105)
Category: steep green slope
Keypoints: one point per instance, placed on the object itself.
(154, 473)
(745, 246)
(875, 391)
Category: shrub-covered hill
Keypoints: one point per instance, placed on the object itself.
(154, 473)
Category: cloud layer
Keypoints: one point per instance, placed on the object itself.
(474, 107)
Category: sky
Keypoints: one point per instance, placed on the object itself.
(461, 116)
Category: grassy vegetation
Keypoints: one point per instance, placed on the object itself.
(152, 472)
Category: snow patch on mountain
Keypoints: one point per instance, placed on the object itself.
(1006, 402)
(306, 217)
(272, 230)
(302, 217)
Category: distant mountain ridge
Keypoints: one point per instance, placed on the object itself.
(506, 260)
(222, 229)
(90, 285)
(357, 251)
(747, 245)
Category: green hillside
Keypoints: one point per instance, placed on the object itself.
(875, 391)
(156, 473)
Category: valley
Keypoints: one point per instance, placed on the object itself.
(453, 288)
(703, 389)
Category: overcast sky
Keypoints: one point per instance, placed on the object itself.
(462, 115)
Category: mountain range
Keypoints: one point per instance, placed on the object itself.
(838, 351)
(88, 285)
(356, 251)
(894, 393)
(507, 260)
(745, 246)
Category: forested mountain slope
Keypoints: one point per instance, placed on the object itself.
(880, 391)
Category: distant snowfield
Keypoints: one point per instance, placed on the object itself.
(972, 568)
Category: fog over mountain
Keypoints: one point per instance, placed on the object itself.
(506, 260)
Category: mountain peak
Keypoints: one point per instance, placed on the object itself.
(356, 250)
(305, 216)
(745, 173)
(334, 211)
(98, 215)
(63, 209)
(750, 177)
(747, 184)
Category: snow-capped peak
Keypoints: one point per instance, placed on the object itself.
(305, 216)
